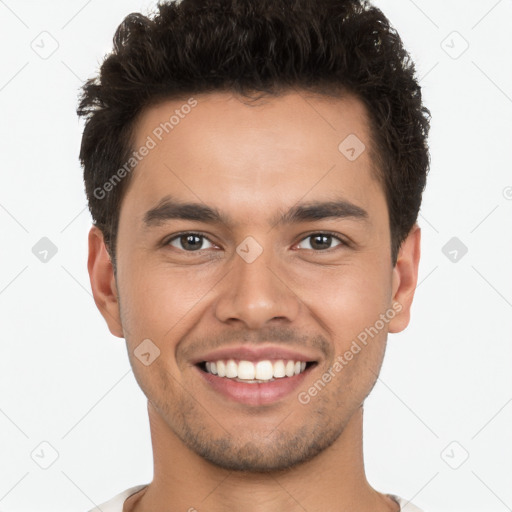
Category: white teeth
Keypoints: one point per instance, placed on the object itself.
(221, 369)
(279, 370)
(231, 369)
(261, 371)
(264, 370)
(246, 370)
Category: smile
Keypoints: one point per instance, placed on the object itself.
(254, 382)
(253, 372)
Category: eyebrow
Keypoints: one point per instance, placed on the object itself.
(168, 209)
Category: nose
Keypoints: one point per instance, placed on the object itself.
(256, 293)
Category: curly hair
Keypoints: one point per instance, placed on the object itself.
(328, 47)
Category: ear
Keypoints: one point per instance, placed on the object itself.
(405, 277)
(103, 282)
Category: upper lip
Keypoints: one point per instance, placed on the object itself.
(256, 353)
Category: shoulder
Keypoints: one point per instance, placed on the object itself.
(405, 505)
(116, 503)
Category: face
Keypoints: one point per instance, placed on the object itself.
(247, 234)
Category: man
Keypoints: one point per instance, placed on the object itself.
(254, 169)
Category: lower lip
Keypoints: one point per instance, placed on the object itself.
(255, 393)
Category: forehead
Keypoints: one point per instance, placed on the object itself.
(219, 149)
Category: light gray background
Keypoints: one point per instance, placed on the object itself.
(445, 390)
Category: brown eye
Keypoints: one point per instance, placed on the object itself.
(321, 241)
(189, 242)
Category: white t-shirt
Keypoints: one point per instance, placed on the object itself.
(116, 503)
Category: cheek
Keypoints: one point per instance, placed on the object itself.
(346, 300)
(161, 303)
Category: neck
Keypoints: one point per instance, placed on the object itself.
(333, 480)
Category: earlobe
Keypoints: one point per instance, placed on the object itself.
(405, 278)
(103, 283)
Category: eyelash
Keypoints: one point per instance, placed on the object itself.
(200, 235)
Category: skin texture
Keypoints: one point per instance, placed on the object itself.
(253, 163)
